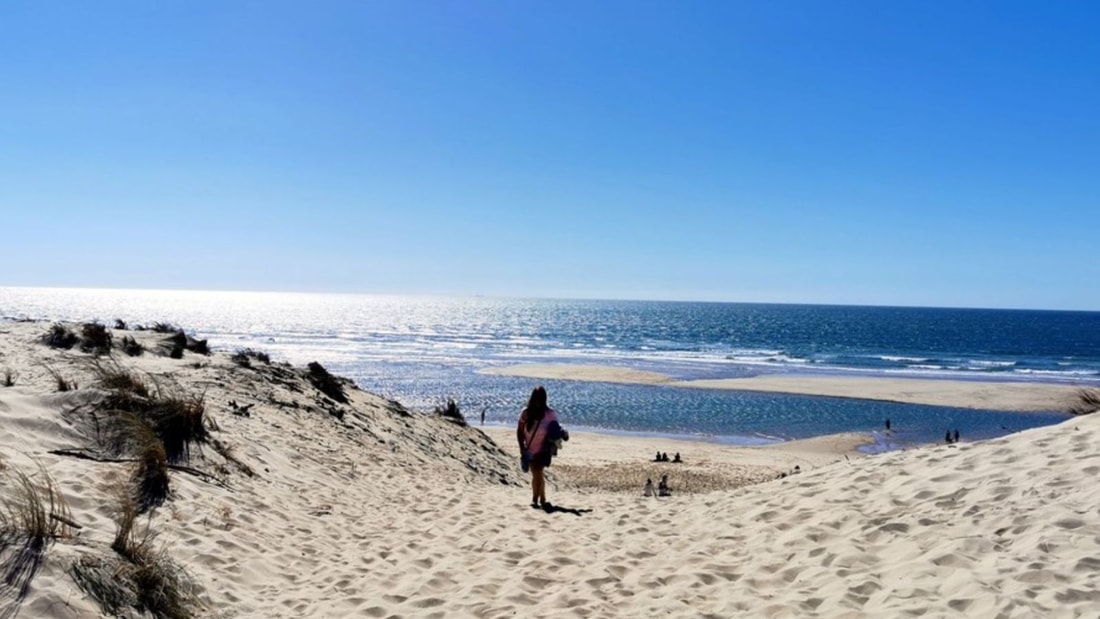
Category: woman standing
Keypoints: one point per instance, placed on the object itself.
(536, 431)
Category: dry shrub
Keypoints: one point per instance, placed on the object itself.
(163, 327)
(120, 324)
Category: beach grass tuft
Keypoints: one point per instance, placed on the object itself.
(131, 347)
(1088, 401)
(180, 341)
(451, 411)
(60, 382)
(32, 516)
(245, 356)
(326, 383)
(60, 336)
(146, 579)
(112, 376)
(179, 422)
(100, 580)
(95, 339)
(35, 512)
(150, 475)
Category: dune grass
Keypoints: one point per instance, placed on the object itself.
(245, 356)
(326, 383)
(30, 510)
(450, 411)
(32, 515)
(139, 405)
(60, 382)
(95, 339)
(142, 578)
(112, 376)
(60, 336)
(131, 347)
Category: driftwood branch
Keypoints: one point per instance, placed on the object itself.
(65, 520)
(84, 454)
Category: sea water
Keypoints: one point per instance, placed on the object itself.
(424, 350)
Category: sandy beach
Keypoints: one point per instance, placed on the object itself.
(308, 501)
(999, 395)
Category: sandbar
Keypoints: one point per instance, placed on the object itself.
(989, 395)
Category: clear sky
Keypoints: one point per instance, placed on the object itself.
(910, 153)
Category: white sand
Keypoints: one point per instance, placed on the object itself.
(994, 395)
(384, 515)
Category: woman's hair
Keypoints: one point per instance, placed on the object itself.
(536, 406)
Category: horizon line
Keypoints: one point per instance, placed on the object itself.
(521, 297)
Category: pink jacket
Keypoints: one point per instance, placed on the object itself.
(536, 439)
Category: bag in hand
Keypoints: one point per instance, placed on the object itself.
(525, 461)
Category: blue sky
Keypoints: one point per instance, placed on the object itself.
(908, 153)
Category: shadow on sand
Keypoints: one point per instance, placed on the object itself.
(553, 509)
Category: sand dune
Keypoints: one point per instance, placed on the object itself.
(365, 510)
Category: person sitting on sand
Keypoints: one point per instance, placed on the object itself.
(662, 488)
(649, 488)
(657, 458)
(676, 458)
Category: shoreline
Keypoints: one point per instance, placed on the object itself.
(1010, 396)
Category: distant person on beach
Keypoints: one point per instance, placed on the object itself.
(947, 437)
(956, 435)
(536, 432)
(662, 488)
(887, 425)
(676, 458)
(657, 458)
(649, 491)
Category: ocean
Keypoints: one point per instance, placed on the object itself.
(424, 350)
